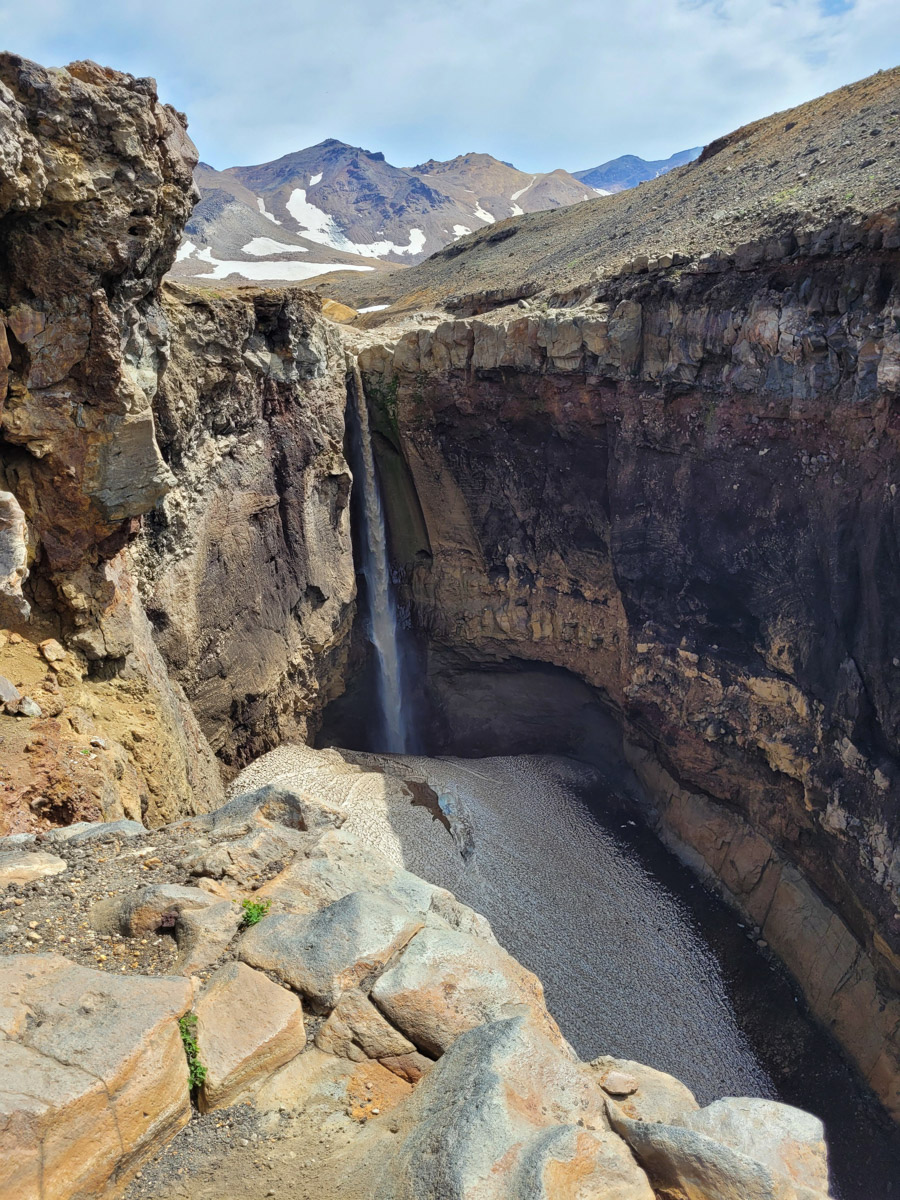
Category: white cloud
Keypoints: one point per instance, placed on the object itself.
(647, 77)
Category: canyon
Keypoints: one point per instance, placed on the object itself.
(640, 501)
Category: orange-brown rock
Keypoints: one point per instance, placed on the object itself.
(93, 1076)
(247, 1027)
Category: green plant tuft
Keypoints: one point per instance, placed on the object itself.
(254, 911)
(187, 1026)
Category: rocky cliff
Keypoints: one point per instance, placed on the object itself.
(682, 489)
(156, 455)
(668, 489)
(246, 565)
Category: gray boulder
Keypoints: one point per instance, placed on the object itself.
(25, 865)
(504, 1115)
(326, 953)
(447, 982)
(693, 1160)
(89, 831)
(656, 1096)
(787, 1140)
(275, 804)
(158, 906)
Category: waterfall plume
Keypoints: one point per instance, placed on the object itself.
(380, 602)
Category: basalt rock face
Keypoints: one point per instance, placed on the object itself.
(96, 186)
(94, 189)
(247, 567)
(683, 490)
(156, 455)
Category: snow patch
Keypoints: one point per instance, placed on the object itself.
(314, 179)
(261, 246)
(602, 192)
(516, 211)
(374, 308)
(461, 230)
(222, 268)
(521, 192)
(262, 209)
(321, 227)
(185, 250)
(484, 216)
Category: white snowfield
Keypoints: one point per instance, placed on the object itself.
(288, 271)
(185, 250)
(262, 209)
(321, 227)
(521, 192)
(314, 179)
(482, 215)
(373, 308)
(602, 192)
(515, 211)
(461, 230)
(261, 246)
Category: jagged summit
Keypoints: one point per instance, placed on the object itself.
(337, 204)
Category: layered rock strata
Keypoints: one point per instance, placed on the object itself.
(246, 565)
(681, 488)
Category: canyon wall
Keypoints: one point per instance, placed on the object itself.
(247, 565)
(681, 487)
(159, 455)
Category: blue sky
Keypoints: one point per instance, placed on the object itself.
(544, 85)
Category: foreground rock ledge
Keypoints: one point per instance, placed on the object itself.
(92, 1076)
(371, 994)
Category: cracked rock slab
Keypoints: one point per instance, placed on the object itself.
(357, 1030)
(202, 934)
(447, 982)
(720, 1153)
(92, 1076)
(247, 1027)
(326, 953)
(24, 866)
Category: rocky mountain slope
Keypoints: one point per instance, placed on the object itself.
(629, 170)
(791, 175)
(335, 203)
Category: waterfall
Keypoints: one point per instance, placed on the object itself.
(380, 603)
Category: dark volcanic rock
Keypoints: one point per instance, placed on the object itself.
(684, 491)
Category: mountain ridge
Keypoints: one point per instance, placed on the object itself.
(628, 170)
(342, 206)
